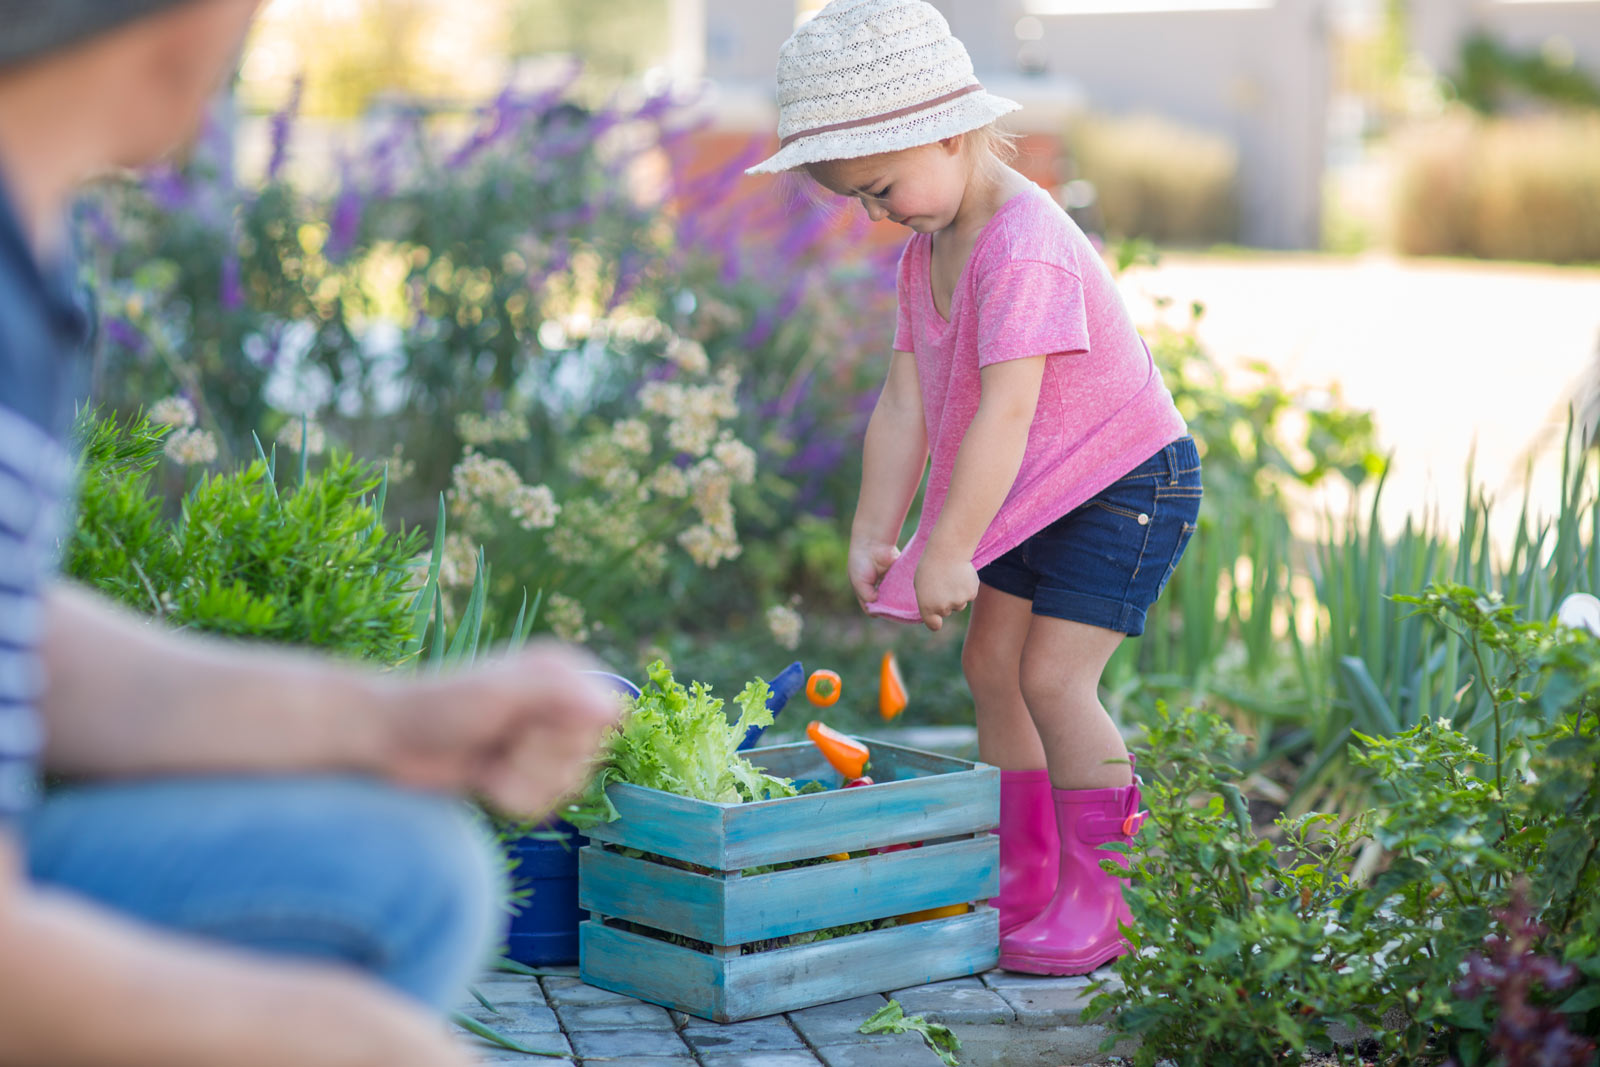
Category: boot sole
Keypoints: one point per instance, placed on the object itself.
(1058, 966)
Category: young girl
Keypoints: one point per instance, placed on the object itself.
(1063, 485)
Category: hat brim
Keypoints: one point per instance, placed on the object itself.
(962, 115)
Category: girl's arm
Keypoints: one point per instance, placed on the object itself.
(986, 465)
(895, 456)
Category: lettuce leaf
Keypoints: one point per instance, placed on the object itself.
(680, 741)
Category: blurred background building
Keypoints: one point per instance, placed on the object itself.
(1289, 124)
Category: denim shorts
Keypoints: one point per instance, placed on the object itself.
(1105, 562)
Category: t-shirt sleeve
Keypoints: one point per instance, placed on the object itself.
(1030, 308)
(904, 337)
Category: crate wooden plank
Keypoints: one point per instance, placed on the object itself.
(728, 911)
(653, 894)
(849, 820)
(668, 825)
(638, 966)
(765, 983)
(871, 887)
(941, 797)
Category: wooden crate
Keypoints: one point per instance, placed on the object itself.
(948, 804)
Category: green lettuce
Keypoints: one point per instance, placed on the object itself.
(680, 741)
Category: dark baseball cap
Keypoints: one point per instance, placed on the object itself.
(32, 28)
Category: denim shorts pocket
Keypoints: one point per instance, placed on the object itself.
(1183, 542)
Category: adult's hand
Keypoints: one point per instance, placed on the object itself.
(520, 730)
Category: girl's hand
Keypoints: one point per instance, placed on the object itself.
(945, 584)
(867, 564)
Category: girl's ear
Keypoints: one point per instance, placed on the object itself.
(953, 144)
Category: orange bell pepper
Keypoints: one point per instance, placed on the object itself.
(823, 688)
(891, 688)
(847, 755)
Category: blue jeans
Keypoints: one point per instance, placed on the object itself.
(400, 884)
(1105, 562)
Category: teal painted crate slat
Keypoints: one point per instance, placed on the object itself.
(735, 988)
(945, 803)
(731, 911)
(932, 796)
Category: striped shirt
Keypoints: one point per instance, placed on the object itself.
(43, 330)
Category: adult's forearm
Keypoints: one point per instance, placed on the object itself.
(124, 697)
(81, 987)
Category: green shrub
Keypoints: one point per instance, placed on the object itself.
(310, 565)
(1251, 947)
(1516, 188)
(1157, 179)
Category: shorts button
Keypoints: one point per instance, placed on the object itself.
(1144, 520)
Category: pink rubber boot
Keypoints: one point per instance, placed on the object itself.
(1077, 931)
(1030, 848)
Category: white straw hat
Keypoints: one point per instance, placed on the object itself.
(870, 76)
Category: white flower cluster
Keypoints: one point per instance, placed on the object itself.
(172, 411)
(632, 435)
(479, 430)
(458, 563)
(689, 355)
(480, 479)
(315, 439)
(566, 618)
(190, 446)
(694, 410)
(785, 624)
(533, 506)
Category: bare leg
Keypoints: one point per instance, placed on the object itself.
(991, 658)
(1060, 678)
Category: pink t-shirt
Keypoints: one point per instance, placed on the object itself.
(1033, 286)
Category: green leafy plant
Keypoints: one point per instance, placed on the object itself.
(1251, 945)
(310, 564)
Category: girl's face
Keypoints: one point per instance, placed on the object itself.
(920, 188)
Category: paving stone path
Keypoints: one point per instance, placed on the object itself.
(1001, 1019)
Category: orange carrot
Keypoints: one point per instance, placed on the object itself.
(823, 688)
(847, 755)
(891, 688)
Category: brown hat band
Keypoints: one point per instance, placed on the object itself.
(885, 117)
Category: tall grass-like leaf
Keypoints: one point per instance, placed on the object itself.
(423, 606)
(305, 422)
(270, 463)
(489, 1033)
(464, 645)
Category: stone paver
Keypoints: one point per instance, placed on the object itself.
(963, 1000)
(630, 1016)
(612, 1044)
(563, 992)
(899, 1054)
(515, 1018)
(758, 1059)
(757, 1035)
(1002, 1020)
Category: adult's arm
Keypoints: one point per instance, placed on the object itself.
(125, 698)
(986, 466)
(893, 459)
(162, 1001)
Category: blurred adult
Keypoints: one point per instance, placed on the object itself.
(259, 857)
